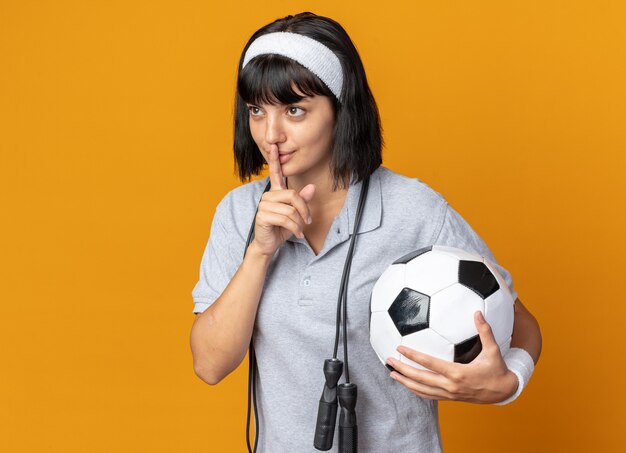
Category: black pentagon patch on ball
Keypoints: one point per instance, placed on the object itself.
(467, 350)
(410, 311)
(477, 277)
(409, 256)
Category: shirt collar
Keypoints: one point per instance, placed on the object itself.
(372, 209)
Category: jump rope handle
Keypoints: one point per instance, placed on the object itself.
(348, 434)
(327, 410)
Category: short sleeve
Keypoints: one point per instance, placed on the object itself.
(218, 264)
(456, 232)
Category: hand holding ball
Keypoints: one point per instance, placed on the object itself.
(426, 301)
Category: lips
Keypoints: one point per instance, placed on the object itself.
(284, 158)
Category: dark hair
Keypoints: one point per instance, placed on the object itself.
(268, 78)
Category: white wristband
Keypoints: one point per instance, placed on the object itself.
(521, 363)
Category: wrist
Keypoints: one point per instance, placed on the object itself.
(511, 383)
(257, 254)
(520, 363)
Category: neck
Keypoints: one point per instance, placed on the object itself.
(324, 196)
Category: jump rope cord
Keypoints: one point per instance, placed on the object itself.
(343, 296)
(342, 301)
(252, 366)
(251, 382)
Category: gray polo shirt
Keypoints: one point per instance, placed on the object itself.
(295, 326)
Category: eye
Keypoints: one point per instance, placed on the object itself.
(254, 110)
(294, 109)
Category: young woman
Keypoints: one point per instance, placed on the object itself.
(304, 108)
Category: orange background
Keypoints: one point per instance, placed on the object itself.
(116, 146)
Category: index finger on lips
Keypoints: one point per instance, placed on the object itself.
(276, 173)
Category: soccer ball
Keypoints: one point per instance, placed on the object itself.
(426, 301)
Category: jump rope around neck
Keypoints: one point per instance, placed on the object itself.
(346, 393)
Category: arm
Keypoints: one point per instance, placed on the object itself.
(526, 333)
(221, 334)
(485, 380)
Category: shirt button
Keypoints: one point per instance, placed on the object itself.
(307, 282)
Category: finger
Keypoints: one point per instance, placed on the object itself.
(421, 390)
(486, 334)
(285, 210)
(274, 219)
(277, 181)
(428, 361)
(290, 197)
(422, 376)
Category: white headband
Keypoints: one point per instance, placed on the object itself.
(311, 54)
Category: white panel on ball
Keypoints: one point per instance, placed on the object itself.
(459, 254)
(384, 336)
(452, 312)
(499, 314)
(419, 272)
(387, 287)
(505, 346)
(428, 342)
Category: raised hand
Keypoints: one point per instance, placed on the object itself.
(282, 212)
(485, 380)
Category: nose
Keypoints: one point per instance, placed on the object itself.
(274, 131)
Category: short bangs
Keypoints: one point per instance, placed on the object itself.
(270, 79)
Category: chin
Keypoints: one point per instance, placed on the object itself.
(289, 174)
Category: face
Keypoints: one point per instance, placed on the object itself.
(303, 130)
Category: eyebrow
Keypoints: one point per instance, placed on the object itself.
(304, 99)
